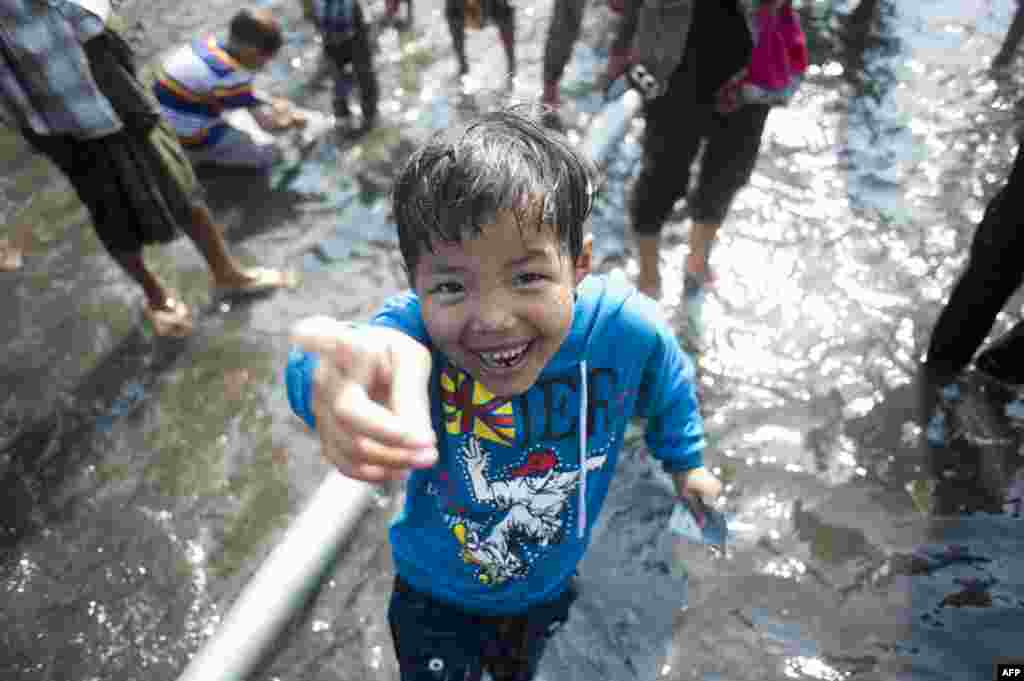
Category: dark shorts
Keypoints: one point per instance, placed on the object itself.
(138, 188)
(137, 183)
(435, 641)
(676, 132)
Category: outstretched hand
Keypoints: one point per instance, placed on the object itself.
(370, 398)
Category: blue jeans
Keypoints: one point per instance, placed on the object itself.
(435, 641)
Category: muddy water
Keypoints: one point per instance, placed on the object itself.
(145, 480)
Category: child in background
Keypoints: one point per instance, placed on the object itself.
(500, 380)
(347, 47)
(476, 14)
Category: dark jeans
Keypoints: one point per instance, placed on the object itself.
(353, 51)
(995, 269)
(435, 641)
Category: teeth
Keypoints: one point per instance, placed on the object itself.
(504, 356)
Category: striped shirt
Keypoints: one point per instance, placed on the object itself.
(195, 84)
(45, 81)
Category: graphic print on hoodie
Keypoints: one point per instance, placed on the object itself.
(499, 523)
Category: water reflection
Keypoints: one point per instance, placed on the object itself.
(813, 668)
(142, 490)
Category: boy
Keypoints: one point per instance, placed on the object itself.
(527, 371)
(199, 81)
(347, 46)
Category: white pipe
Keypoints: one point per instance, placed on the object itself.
(281, 586)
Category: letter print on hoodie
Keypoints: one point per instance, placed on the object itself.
(528, 501)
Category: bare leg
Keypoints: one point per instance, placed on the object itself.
(133, 265)
(207, 237)
(648, 248)
(168, 316)
(702, 236)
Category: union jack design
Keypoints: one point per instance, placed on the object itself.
(471, 408)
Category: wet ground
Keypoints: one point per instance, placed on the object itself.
(144, 480)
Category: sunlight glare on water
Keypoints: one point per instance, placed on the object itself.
(773, 433)
(786, 567)
(813, 667)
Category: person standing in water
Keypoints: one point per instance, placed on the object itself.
(994, 272)
(347, 47)
(702, 107)
(68, 85)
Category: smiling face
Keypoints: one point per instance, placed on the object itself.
(499, 304)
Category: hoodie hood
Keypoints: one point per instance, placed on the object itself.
(598, 299)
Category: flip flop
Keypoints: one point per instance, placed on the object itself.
(264, 280)
(174, 320)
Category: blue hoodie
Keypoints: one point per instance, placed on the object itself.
(497, 525)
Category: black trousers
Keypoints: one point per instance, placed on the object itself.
(683, 119)
(676, 131)
(356, 52)
(994, 271)
(435, 641)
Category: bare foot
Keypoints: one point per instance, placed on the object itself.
(700, 269)
(255, 280)
(10, 256)
(172, 319)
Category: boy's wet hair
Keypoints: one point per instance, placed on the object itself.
(454, 185)
(256, 29)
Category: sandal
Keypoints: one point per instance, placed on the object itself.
(261, 280)
(174, 319)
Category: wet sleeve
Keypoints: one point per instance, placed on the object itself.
(402, 313)
(668, 399)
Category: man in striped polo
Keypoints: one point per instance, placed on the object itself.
(199, 81)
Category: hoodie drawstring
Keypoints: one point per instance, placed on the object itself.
(581, 514)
